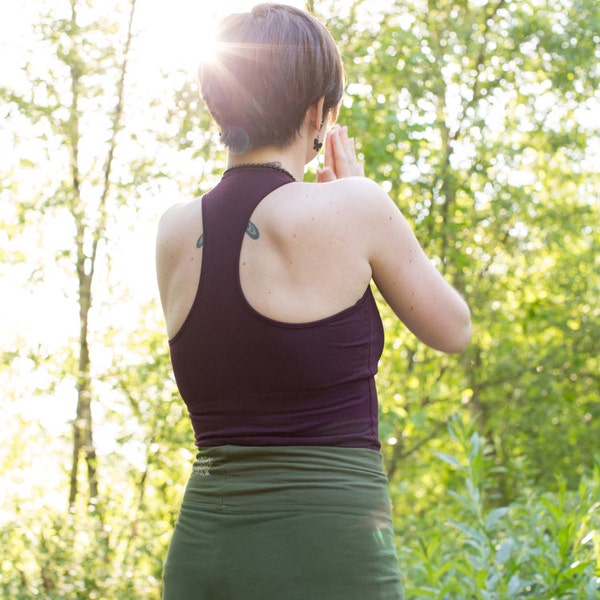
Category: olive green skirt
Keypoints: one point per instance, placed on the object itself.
(284, 523)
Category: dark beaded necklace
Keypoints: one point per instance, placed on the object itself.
(269, 165)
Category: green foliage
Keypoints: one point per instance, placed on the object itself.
(479, 118)
(475, 116)
(542, 545)
(115, 546)
(64, 556)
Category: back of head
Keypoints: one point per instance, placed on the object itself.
(270, 66)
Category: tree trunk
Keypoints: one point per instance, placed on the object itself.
(91, 229)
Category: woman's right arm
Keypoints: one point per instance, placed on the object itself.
(415, 290)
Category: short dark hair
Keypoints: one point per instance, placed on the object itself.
(271, 65)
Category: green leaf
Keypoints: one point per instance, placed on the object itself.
(494, 517)
(447, 458)
(504, 552)
(470, 532)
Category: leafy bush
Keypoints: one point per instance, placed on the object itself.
(74, 557)
(545, 545)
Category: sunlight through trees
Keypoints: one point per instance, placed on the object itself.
(480, 119)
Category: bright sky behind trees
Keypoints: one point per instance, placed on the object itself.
(170, 36)
(35, 309)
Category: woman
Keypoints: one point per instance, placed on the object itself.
(275, 336)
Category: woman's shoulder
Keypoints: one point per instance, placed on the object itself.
(179, 218)
(352, 186)
(180, 212)
(359, 198)
(358, 194)
(350, 211)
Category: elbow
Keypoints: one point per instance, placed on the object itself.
(462, 339)
(446, 331)
(462, 336)
(456, 336)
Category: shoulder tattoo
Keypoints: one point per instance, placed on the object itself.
(251, 231)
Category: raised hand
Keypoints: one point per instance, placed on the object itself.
(340, 157)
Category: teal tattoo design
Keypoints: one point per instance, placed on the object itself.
(251, 231)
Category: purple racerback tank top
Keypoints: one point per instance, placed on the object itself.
(250, 380)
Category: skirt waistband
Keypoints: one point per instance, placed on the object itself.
(269, 477)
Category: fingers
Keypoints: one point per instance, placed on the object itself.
(329, 161)
(325, 175)
(357, 167)
(340, 154)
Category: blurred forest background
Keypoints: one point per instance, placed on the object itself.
(481, 118)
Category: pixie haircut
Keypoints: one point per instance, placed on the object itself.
(270, 66)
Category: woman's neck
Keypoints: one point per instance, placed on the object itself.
(286, 158)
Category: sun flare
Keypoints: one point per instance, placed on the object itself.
(182, 32)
